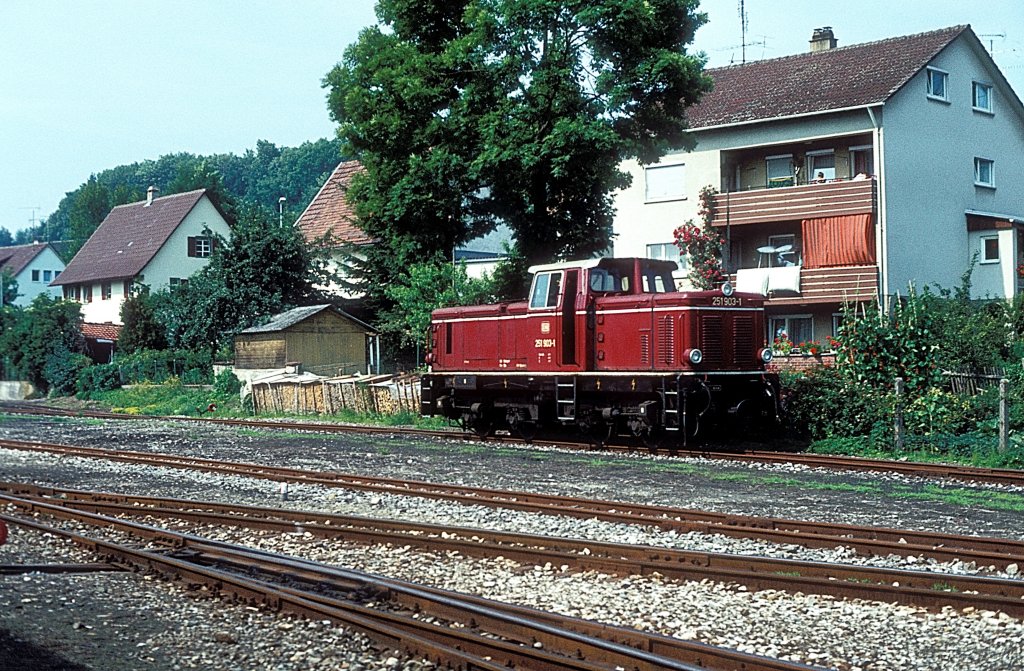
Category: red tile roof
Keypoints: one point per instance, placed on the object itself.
(14, 259)
(854, 76)
(128, 238)
(104, 331)
(330, 211)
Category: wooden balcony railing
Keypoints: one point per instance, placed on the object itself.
(829, 285)
(829, 199)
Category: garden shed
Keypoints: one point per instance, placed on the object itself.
(322, 338)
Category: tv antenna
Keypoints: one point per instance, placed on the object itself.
(743, 32)
(1001, 36)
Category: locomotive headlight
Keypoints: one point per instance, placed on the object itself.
(728, 289)
(694, 356)
(766, 354)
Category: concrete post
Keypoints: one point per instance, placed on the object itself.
(1004, 415)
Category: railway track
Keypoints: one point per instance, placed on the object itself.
(1001, 476)
(984, 551)
(926, 589)
(453, 630)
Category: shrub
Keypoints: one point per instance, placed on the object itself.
(101, 377)
(226, 384)
(823, 404)
(62, 370)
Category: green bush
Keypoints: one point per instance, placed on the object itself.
(226, 384)
(101, 377)
(62, 370)
(162, 365)
(823, 404)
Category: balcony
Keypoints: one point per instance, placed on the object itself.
(809, 201)
(827, 285)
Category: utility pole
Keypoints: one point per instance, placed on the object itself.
(280, 211)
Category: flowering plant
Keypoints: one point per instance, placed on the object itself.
(702, 245)
(781, 344)
(1020, 269)
(812, 347)
(833, 344)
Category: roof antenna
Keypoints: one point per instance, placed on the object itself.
(743, 33)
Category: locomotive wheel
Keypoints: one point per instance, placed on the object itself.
(483, 426)
(597, 431)
(527, 429)
(653, 437)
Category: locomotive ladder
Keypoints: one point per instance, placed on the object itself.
(670, 403)
(565, 399)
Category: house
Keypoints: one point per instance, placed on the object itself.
(330, 214)
(159, 242)
(33, 267)
(322, 338)
(844, 174)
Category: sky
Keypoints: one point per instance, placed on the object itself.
(87, 85)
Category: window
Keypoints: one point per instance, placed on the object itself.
(667, 251)
(796, 328)
(35, 275)
(984, 172)
(937, 80)
(177, 282)
(981, 97)
(862, 161)
(780, 170)
(106, 291)
(87, 293)
(545, 290)
(786, 251)
(56, 274)
(47, 275)
(990, 249)
(200, 246)
(821, 165)
(664, 182)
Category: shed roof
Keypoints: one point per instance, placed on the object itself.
(290, 318)
(330, 212)
(14, 259)
(129, 238)
(823, 81)
(104, 331)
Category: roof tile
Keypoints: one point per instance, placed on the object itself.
(330, 212)
(854, 76)
(128, 238)
(14, 259)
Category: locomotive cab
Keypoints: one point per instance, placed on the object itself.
(608, 345)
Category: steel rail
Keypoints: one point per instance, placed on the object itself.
(519, 629)
(865, 540)
(927, 589)
(1004, 476)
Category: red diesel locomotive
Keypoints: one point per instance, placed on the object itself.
(609, 346)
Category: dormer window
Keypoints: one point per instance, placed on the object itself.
(937, 84)
(981, 97)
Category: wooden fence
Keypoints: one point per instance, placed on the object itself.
(308, 395)
(971, 383)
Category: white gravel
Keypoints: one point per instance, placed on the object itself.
(838, 634)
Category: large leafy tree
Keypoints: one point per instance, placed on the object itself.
(469, 112)
(40, 337)
(263, 269)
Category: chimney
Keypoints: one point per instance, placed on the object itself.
(823, 39)
(151, 193)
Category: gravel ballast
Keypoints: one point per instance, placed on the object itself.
(832, 633)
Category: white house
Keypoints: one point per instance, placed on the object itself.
(158, 242)
(845, 173)
(33, 267)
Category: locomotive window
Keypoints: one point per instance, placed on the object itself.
(657, 283)
(545, 290)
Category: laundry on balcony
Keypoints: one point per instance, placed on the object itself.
(765, 281)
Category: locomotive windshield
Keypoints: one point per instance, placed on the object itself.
(656, 277)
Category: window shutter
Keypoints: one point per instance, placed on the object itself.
(191, 246)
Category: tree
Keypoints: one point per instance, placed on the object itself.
(6, 239)
(8, 287)
(423, 288)
(141, 330)
(264, 269)
(470, 112)
(91, 205)
(42, 335)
